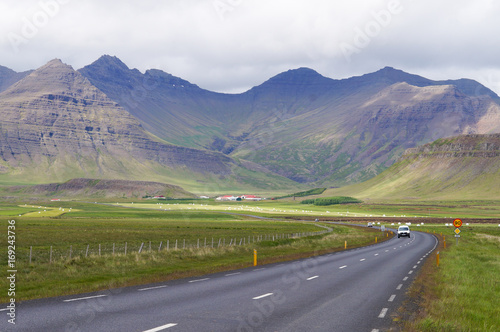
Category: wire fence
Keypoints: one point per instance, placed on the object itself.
(42, 255)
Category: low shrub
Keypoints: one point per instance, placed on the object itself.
(324, 201)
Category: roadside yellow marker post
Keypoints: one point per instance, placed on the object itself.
(254, 257)
(375, 239)
(437, 258)
(345, 245)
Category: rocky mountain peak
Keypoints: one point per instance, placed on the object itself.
(56, 120)
(389, 76)
(302, 76)
(55, 77)
(108, 63)
(296, 82)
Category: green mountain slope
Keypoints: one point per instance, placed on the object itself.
(458, 168)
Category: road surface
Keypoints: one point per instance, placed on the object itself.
(352, 290)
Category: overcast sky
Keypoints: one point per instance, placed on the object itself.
(232, 45)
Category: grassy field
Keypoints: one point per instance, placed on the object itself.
(419, 210)
(463, 293)
(72, 252)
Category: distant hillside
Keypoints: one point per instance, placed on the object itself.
(301, 125)
(55, 125)
(95, 188)
(295, 131)
(8, 77)
(462, 167)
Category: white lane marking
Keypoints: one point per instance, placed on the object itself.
(84, 298)
(399, 286)
(411, 271)
(262, 268)
(343, 267)
(232, 274)
(312, 278)
(418, 262)
(149, 288)
(262, 296)
(383, 313)
(405, 278)
(388, 250)
(198, 280)
(4, 309)
(159, 328)
(376, 255)
(415, 267)
(362, 259)
(393, 296)
(375, 330)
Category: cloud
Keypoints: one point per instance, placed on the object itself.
(232, 45)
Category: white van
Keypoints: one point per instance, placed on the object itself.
(403, 231)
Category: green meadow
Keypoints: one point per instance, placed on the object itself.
(463, 292)
(220, 236)
(386, 209)
(91, 246)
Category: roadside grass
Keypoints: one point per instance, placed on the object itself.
(463, 293)
(79, 274)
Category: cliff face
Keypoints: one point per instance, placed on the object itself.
(56, 120)
(476, 146)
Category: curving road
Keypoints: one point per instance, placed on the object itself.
(353, 290)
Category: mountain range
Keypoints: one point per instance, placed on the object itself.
(298, 128)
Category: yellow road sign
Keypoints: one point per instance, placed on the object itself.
(457, 231)
(457, 223)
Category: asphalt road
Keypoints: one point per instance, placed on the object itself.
(353, 290)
